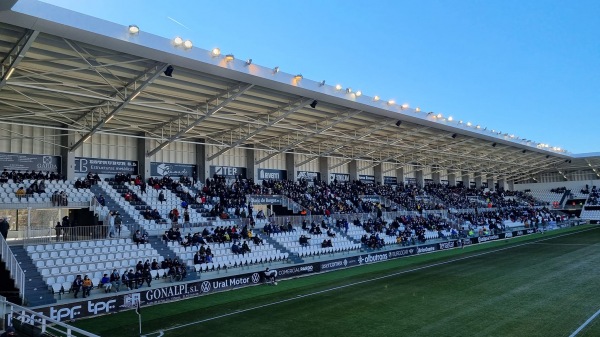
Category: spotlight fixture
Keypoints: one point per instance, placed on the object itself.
(298, 77)
(322, 83)
(450, 119)
(398, 123)
(275, 70)
(454, 135)
(215, 52)
(133, 29)
(440, 115)
(404, 106)
(338, 87)
(391, 102)
(494, 145)
(248, 62)
(469, 124)
(418, 109)
(376, 98)
(229, 57)
(358, 93)
(178, 41)
(169, 71)
(188, 44)
(348, 90)
(314, 104)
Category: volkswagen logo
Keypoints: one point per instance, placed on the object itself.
(205, 286)
(255, 278)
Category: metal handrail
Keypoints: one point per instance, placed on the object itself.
(13, 267)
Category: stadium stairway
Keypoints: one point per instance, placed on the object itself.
(36, 289)
(161, 247)
(114, 206)
(342, 233)
(293, 258)
(7, 285)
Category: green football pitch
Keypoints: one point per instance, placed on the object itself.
(541, 285)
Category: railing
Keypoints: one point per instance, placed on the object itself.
(37, 236)
(13, 267)
(33, 323)
(28, 200)
(296, 207)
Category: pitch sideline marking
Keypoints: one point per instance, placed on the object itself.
(582, 326)
(375, 279)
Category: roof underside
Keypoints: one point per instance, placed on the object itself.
(86, 89)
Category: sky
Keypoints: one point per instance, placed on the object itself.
(525, 67)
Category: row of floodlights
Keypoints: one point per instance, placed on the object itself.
(216, 52)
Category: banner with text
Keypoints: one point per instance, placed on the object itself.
(367, 179)
(308, 175)
(264, 199)
(228, 171)
(340, 177)
(270, 174)
(172, 169)
(85, 165)
(29, 162)
(390, 180)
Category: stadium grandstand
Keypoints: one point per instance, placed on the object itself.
(122, 151)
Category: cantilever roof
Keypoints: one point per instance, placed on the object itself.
(86, 75)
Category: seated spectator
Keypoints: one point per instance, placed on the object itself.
(304, 240)
(235, 248)
(76, 285)
(330, 233)
(106, 283)
(20, 193)
(87, 286)
(138, 238)
(115, 280)
(245, 248)
(161, 197)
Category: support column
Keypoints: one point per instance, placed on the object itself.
(451, 179)
(67, 168)
(250, 167)
(419, 178)
(502, 183)
(511, 185)
(477, 179)
(324, 168)
(290, 166)
(400, 176)
(353, 170)
(143, 146)
(201, 167)
(436, 178)
(465, 179)
(378, 172)
(490, 182)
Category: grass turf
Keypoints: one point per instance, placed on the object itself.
(545, 288)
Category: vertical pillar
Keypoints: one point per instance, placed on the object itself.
(67, 168)
(290, 166)
(201, 167)
(400, 176)
(451, 179)
(419, 178)
(511, 185)
(250, 166)
(502, 183)
(465, 179)
(324, 169)
(477, 179)
(436, 177)
(353, 170)
(143, 145)
(378, 172)
(490, 182)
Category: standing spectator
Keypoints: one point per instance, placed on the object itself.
(118, 223)
(115, 279)
(4, 227)
(58, 230)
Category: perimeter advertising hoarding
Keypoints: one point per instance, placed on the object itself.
(270, 174)
(340, 177)
(367, 179)
(390, 180)
(308, 175)
(228, 171)
(29, 162)
(264, 199)
(172, 169)
(76, 310)
(84, 165)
